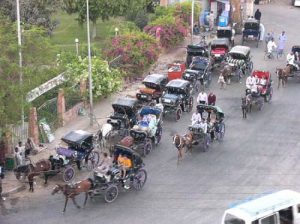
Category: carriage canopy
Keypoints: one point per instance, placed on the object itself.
(178, 83)
(251, 24)
(154, 78)
(296, 48)
(240, 52)
(125, 105)
(220, 42)
(224, 32)
(208, 108)
(78, 138)
(261, 74)
(134, 156)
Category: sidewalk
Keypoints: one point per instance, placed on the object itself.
(101, 111)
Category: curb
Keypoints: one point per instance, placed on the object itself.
(14, 190)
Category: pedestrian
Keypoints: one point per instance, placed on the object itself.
(202, 98)
(281, 44)
(211, 20)
(211, 99)
(28, 147)
(257, 15)
(18, 157)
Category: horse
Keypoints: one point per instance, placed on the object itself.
(182, 142)
(226, 72)
(283, 75)
(72, 190)
(246, 106)
(42, 166)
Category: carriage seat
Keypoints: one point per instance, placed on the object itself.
(196, 129)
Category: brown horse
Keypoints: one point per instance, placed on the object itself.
(283, 74)
(72, 190)
(41, 167)
(226, 72)
(182, 142)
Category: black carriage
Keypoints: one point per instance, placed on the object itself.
(219, 49)
(109, 184)
(154, 86)
(239, 59)
(178, 98)
(201, 50)
(204, 67)
(147, 132)
(215, 120)
(226, 32)
(125, 113)
(251, 31)
(80, 149)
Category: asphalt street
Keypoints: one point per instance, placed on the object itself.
(259, 154)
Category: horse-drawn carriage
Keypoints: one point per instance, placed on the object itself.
(80, 149)
(239, 59)
(251, 31)
(264, 84)
(226, 32)
(294, 69)
(204, 67)
(154, 87)
(178, 98)
(108, 184)
(147, 132)
(201, 50)
(175, 70)
(123, 118)
(219, 49)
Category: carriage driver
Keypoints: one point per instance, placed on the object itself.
(196, 118)
(250, 81)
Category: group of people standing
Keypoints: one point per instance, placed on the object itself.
(22, 152)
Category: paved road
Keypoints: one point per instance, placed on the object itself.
(259, 154)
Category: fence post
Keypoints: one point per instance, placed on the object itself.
(61, 107)
(33, 128)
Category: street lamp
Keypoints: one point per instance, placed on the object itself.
(20, 62)
(90, 63)
(116, 31)
(77, 46)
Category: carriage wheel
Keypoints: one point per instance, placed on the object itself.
(268, 97)
(68, 173)
(147, 148)
(158, 135)
(111, 193)
(190, 104)
(139, 179)
(221, 131)
(92, 160)
(178, 114)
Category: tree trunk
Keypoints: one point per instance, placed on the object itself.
(94, 32)
(236, 14)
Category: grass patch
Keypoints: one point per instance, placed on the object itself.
(69, 29)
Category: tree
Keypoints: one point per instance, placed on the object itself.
(236, 13)
(33, 12)
(37, 54)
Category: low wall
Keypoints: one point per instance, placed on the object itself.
(72, 113)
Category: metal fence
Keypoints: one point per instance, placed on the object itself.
(19, 133)
(48, 111)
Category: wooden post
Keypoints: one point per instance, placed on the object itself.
(61, 107)
(33, 128)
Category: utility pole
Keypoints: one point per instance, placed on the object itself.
(90, 64)
(20, 63)
(192, 21)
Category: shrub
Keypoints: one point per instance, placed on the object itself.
(184, 11)
(173, 30)
(105, 80)
(138, 50)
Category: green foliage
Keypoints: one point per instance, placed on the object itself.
(37, 53)
(138, 51)
(163, 11)
(141, 19)
(105, 80)
(167, 20)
